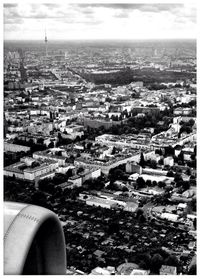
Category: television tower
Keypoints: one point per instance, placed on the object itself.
(45, 40)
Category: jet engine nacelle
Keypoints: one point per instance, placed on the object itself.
(33, 241)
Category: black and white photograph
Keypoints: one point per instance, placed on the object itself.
(99, 138)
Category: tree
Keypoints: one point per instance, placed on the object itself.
(139, 212)
(158, 151)
(142, 218)
(78, 138)
(59, 136)
(178, 178)
(161, 184)
(142, 161)
(191, 122)
(148, 183)
(35, 164)
(116, 174)
(188, 171)
(120, 117)
(113, 150)
(89, 145)
(43, 184)
(80, 169)
(156, 263)
(143, 265)
(125, 189)
(170, 173)
(195, 150)
(146, 258)
(59, 178)
(193, 156)
(39, 198)
(113, 228)
(193, 204)
(31, 142)
(114, 118)
(185, 185)
(195, 223)
(153, 164)
(40, 141)
(193, 270)
(154, 183)
(192, 164)
(172, 261)
(108, 99)
(140, 183)
(169, 151)
(181, 157)
(69, 173)
(94, 184)
(51, 144)
(58, 192)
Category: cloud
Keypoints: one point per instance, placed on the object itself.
(141, 7)
(122, 14)
(50, 5)
(160, 7)
(101, 20)
(76, 10)
(9, 5)
(83, 21)
(33, 11)
(11, 14)
(13, 21)
(124, 10)
(111, 6)
(10, 29)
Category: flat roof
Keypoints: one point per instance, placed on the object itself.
(155, 177)
(101, 201)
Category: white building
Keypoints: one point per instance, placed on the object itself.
(86, 174)
(24, 170)
(103, 271)
(157, 178)
(133, 177)
(15, 147)
(76, 180)
(131, 206)
(110, 164)
(50, 155)
(169, 161)
(101, 202)
(169, 216)
(168, 270)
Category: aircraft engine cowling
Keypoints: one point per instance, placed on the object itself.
(33, 241)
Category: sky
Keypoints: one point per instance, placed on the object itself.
(28, 21)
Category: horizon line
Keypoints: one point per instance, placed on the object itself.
(101, 39)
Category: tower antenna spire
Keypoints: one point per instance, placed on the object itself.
(45, 40)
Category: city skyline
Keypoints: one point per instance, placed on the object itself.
(94, 21)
